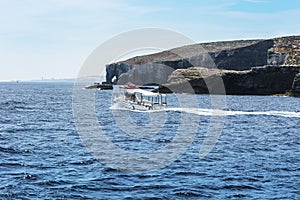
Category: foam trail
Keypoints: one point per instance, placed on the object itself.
(218, 112)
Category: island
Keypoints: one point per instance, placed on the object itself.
(247, 67)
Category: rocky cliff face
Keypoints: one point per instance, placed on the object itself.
(286, 50)
(234, 55)
(237, 62)
(114, 71)
(243, 58)
(151, 74)
(266, 80)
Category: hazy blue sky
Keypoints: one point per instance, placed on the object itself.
(52, 38)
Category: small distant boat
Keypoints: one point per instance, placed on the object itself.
(99, 86)
(132, 97)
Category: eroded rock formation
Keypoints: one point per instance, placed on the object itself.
(266, 80)
(114, 71)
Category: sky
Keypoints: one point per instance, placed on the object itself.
(52, 38)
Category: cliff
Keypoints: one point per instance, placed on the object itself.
(241, 56)
(266, 80)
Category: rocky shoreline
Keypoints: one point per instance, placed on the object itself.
(265, 80)
(247, 67)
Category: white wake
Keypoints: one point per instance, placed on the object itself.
(218, 112)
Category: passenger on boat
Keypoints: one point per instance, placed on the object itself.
(133, 97)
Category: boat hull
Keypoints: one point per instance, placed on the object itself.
(135, 106)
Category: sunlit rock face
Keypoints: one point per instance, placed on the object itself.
(296, 86)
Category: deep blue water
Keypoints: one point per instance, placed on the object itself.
(42, 156)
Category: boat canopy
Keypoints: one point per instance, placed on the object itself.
(144, 92)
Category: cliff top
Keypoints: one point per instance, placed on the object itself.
(289, 45)
(189, 51)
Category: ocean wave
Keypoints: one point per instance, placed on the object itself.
(16, 105)
(8, 150)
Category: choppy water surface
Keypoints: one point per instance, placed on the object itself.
(256, 157)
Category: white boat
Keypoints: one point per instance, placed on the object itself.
(131, 97)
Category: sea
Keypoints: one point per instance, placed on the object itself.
(50, 149)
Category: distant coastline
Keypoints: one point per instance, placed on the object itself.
(53, 80)
(40, 80)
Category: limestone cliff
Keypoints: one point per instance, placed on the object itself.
(237, 62)
(115, 70)
(234, 55)
(266, 80)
